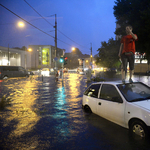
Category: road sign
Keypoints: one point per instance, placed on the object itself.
(55, 59)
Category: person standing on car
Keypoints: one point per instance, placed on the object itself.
(127, 51)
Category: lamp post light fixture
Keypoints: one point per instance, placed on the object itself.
(21, 24)
(73, 48)
(30, 50)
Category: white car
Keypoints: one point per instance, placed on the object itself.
(45, 72)
(80, 71)
(127, 105)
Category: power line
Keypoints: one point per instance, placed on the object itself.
(32, 24)
(38, 13)
(26, 21)
(52, 25)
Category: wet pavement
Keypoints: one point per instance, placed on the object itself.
(47, 115)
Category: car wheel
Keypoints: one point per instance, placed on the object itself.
(27, 75)
(139, 128)
(5, 77)
(87, 109)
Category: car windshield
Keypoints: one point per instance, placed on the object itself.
(135, 92)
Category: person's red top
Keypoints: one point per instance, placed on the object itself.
(128, 44)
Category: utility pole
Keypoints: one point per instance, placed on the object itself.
(55, 40)
(25, 55)
(91, 54)
(8, 55)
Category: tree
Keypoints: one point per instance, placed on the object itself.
(108, 54)
(135, 13)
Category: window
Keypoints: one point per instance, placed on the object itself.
(13, 68)
(109, 92)
(135, 92)
(10, 68)
(92, 91)
(5, 68)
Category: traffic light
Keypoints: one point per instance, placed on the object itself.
(65, 60)
(61, 60)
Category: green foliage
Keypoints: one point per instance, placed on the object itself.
(135, 13)
(108, 54)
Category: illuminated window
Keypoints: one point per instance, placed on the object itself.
(45, 56)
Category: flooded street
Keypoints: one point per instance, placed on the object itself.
(48, 115)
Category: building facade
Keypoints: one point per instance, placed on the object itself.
(14, 57)
(40, 56)
(43, 56)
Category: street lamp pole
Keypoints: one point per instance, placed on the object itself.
(25, 55)
(55, 40)
(91, 55)
(8, 55)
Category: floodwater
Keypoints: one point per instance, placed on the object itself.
(48, 115)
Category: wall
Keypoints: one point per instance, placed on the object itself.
(141, 68)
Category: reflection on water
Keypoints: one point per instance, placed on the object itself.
(23, 96)
(45, 112)
(49, 115)
(67, 105)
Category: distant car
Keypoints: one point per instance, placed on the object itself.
(12, 71)
(45, 72)
(30, 73)
(65, 70)
(127, 105)
(80, 71)
(148, 72)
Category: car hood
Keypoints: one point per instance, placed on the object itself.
(145, 104)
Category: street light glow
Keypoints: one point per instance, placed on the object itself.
(30, 50)
(21, 24)
(73, 48)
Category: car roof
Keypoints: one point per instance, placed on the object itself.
(112, 82)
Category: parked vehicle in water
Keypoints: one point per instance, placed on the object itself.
(127, 105)
(65, 70)
(45, 71)
(12, 71)
(80, 71)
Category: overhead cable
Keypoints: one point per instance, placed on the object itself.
(52, 25)
(26, 21)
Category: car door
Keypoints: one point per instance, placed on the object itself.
(110, 104)
(21, 72)
(15, 71)
(7, 71)
(92, 96)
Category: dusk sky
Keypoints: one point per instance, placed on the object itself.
(79, 23)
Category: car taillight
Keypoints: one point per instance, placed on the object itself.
(0, 72)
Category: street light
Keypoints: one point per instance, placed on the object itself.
(21, 24)
(73, 48)
(30, 50)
